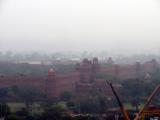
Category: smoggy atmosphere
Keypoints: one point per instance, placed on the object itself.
(79, 59)
(117, 26)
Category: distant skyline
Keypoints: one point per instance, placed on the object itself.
(116, 26)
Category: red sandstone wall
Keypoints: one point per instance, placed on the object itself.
(130, 71)
(8, 81)
(67, 83)
(53, 85)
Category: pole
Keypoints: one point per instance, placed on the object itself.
(125, 114)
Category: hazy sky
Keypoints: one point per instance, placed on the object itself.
(57, 25)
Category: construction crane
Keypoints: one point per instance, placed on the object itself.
(150, 98)
(139, 116)
(124, 112)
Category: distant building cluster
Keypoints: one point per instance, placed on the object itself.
(86, 77)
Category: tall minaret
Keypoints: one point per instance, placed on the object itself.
(95, 68)
(50, 84)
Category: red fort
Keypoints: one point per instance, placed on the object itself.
(82, 79)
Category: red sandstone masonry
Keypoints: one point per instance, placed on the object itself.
(54, 85)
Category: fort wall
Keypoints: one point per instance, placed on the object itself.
(83, 79)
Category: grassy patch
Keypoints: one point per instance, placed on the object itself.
(16, 106)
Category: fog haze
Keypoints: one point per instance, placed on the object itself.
(118, 26)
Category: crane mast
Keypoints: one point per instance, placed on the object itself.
(124, 112)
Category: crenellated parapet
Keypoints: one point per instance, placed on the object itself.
(82, 79)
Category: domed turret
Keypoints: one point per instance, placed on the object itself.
(95, 60)
(51, 72)
(110, 61)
